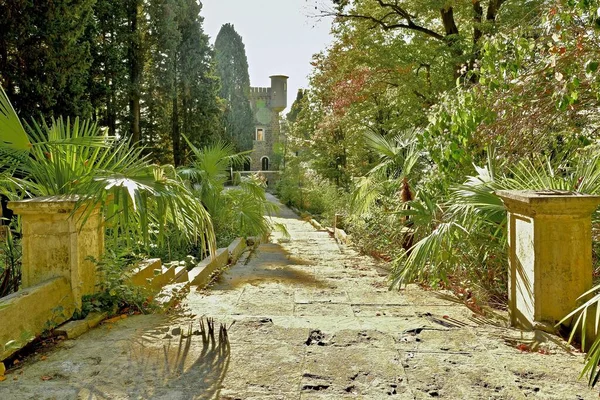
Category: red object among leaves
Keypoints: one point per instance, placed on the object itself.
(523, 347)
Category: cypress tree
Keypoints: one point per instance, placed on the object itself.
(183, 77)
(45, 56)
(232, 68)
(108, 34)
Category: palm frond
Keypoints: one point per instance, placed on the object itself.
(13, 137)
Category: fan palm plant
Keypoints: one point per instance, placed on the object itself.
(77, 158)
(398, 161)
(464, 233)
(239, 211)
(470, 234)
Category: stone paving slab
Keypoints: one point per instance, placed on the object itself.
(307, 319)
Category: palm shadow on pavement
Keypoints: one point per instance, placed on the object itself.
(184, 363)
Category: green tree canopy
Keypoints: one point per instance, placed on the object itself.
(45, 56)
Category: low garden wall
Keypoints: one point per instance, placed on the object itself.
(57, 270)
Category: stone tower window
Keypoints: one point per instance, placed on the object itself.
(264, 163)
(260, 134)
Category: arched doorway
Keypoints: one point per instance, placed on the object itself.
(247, 165)
(264, 162)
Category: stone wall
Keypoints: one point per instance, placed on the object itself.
(57, 272)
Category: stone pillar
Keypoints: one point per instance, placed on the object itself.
(550, 254)
(55, 243)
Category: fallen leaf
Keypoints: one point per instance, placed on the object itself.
(42, 358)
(446, 317)
(46, 377)
(15, 362)
(112, 320)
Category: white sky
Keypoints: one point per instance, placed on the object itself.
(280, 36)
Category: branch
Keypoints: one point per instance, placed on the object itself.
(397, 9)
(477, 19)
(493, 9)
(410, 25)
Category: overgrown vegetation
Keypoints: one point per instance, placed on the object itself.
(149, 208)
(421, 110)
(114, 292)
(10, 262)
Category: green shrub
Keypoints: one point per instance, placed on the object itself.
(115, 292)
(10, 263)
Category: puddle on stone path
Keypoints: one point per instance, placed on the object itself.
(269, 263)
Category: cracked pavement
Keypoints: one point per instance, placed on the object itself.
(307, 319)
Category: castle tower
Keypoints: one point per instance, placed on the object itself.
(278, 92)
(267, 104)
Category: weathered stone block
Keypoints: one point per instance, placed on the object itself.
(73, 329)
(58, 240)
(550, 254)
(94, 319)
(236, 248)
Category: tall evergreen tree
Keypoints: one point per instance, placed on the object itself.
(297, 106)
(135, 19)
(198, 83)
(232, 68)
(45, 56)
(183, 77)
(108, 36)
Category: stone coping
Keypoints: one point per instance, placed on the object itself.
(540, 196)
(548, 202)
(46, 205)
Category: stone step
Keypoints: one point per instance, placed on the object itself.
(172, 293)
(144, 272)
(181, 274)
(200, 274)
(163, 276)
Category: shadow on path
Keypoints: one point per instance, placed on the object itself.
(269, 263)
(191, 364)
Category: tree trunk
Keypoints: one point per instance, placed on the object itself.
(477, 35)
(136, 64)
(448, 21)
(477, 19)
(175, 133)
(405, 197)
(493, 9)
(185, 114)
(111, 114)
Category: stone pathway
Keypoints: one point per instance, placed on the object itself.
(311, 320)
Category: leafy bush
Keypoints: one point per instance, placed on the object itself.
(115, 292)
(10, 263)
(302, 188)
(238, 211)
